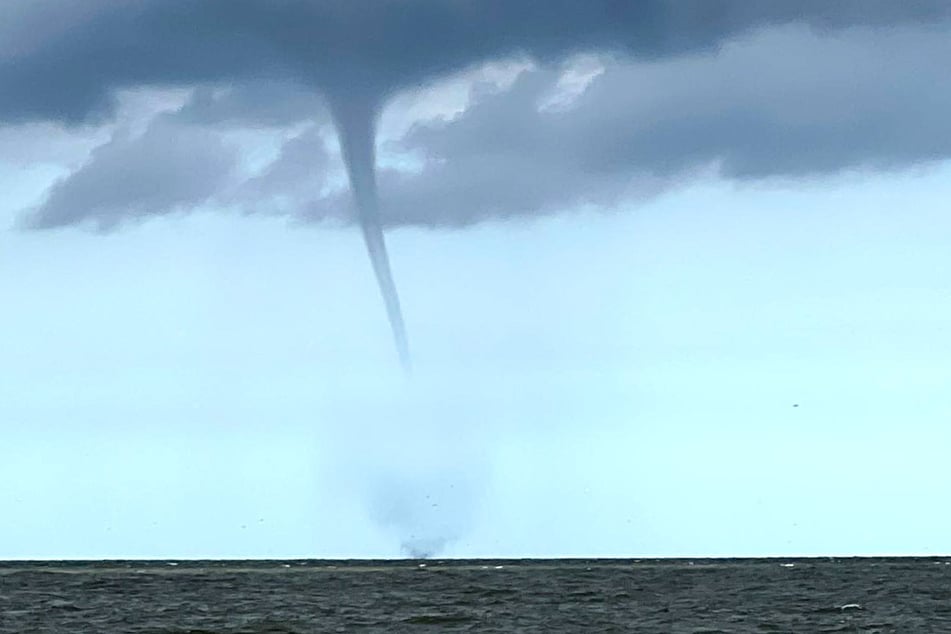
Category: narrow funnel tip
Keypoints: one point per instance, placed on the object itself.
(356, 128)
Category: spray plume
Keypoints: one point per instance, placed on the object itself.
(355, 119)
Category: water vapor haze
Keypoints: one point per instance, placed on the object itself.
(420, 482)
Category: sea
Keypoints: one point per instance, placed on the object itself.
(907, 595)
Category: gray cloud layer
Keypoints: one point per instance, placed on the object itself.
(783, 104)
(356, 47)
(858, 84)
(170, 167)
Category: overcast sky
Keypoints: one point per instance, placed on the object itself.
(675, 278)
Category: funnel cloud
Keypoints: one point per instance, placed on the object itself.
(356, 126)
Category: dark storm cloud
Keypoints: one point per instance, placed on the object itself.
(820, 98)
(359, 48)
(294, 178)
(253, 104)
(168, 168)
(871, 101)
(176, 166)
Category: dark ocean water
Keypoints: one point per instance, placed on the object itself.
(741, 595)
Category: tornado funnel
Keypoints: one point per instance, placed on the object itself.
(355, 120)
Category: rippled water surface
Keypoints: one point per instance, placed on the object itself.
(804, 595)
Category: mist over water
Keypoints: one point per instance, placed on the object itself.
(426, 511)
(416, 458)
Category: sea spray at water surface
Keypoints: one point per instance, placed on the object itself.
(414, 459)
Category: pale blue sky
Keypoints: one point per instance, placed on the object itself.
(675, 283)
(590, 384)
